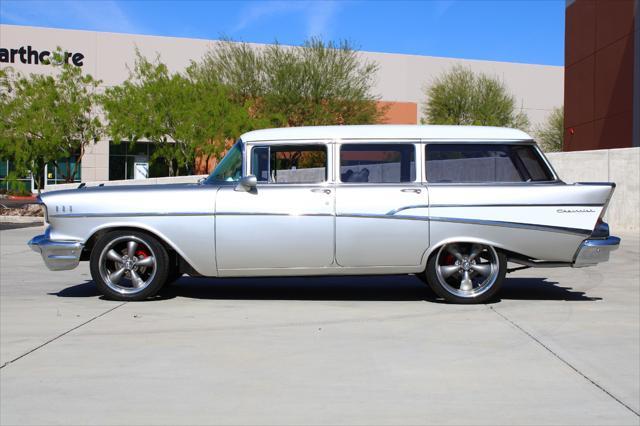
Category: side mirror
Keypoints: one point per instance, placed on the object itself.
(247, 183)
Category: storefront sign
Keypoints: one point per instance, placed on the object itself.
(30, 56)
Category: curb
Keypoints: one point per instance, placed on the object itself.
(22, 198)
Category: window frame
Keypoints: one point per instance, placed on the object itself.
(555, 179)
(262, 144)
(417, 158)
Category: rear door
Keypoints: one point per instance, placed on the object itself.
(381, 207)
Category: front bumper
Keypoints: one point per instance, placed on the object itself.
(594, 251)
(57, 255)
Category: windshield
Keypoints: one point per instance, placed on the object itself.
(230, 168)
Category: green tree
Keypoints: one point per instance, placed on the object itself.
(182, 116)
(463, 97)
(44, 118)
(313, 84)
(551, 134)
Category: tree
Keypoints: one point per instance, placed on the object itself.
(461, 96)
(46, 118)
(182, 116)
(551, 134)
(313, 84)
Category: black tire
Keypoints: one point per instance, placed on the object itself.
(483, 294)
(154, 276)
(174, 269)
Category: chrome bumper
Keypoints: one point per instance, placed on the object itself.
(595, 251)
(57, 255)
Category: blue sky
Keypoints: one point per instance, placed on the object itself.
(514, 31)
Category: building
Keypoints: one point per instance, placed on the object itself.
(602, 74)
(400, 83)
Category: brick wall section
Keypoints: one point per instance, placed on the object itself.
(400, 112)
(599, 58)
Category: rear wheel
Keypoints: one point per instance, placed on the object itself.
(466, 272)
(129, 265)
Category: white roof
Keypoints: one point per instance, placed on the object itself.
(387, 131)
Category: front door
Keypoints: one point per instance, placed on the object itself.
(381, 211)
(287, 223)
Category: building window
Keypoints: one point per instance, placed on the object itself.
(62, 173)
(132, 160)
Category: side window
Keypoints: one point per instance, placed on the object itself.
(476, 163)
(289, 163)
(377, 163)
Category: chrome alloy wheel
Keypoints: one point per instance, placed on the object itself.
(466, 269)
(127, 265)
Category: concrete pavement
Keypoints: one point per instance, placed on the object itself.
(562, 346)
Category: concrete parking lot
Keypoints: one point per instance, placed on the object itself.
(561, 346)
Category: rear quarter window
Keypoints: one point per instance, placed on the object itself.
(484, 163)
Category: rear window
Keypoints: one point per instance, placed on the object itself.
(377, 163)
(474, 163)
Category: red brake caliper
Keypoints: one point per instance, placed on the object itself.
(142, 254)
(448, 259)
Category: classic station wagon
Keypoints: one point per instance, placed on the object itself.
(452, 204)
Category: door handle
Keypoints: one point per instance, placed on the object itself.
(324, 190)
(416, 190)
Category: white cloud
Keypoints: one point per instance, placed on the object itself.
(319, 18)
(317, 15)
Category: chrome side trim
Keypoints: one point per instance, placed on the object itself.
(71, 215)
(390, 215)
(270, 214)
(518, 205)
(519, 225)
(382, 216)
(416, 206)
(423, 206)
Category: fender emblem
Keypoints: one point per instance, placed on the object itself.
(575, 211)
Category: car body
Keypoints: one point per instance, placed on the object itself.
(340, 200)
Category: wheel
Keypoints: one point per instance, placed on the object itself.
(129, 265)
(466, 272)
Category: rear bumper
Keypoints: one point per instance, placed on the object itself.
(57, 255)
(594, 251)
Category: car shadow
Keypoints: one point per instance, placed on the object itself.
(352, 288)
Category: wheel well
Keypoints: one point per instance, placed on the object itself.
(174, 256)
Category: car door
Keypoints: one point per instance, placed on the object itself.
(381, 207)
(287, 223)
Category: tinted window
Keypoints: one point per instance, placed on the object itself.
(470, 163)
(290, 163)
(377, 163)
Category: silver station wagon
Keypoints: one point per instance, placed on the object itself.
(451, 204)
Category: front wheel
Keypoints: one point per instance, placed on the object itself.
(129, 265)
(466, 272)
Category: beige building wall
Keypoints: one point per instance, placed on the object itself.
(401, 78)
